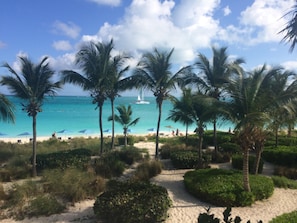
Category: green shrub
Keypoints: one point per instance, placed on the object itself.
(237, 163)
(285, 218)
(132, 202)
(281, 155)
(230, 147)
(130, 140)
(145, 171)
(73, 184)
(63, 159)
(130, 155)
(225, 188)
(288, 172)
(188, 159)
(43, 205)
(109, 166)
(284, 182)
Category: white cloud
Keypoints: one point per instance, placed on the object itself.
(163, 24)
(227, 10)
(290, 65)
(62, 45)
(259, 23)
(107, 2)
(67, 29)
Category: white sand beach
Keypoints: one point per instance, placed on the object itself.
(185, 207)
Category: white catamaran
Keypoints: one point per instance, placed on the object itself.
(140, 99)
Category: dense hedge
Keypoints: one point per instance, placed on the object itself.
(187, 159)
(237, 163)
(63, 159)
(281, 155)
(127, 202)
(230, 147)
(225, 187)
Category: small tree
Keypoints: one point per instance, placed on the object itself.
(124, 118)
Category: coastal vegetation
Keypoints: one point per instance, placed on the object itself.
(32, 84)
(261, 103)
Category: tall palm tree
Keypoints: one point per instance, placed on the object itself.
(6, 110)
(154, 73)
(32, 85)
(249, 105)
(124, 118)
(214, 75)
(290, 30)
(116, 83)
(283, 107)
(182, 109)
(95, 62)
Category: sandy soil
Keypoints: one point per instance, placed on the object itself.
(185, 207)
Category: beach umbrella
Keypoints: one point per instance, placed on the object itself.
(64, 131)
(151, 130)
(85, 131)
(2, 134)
(106, 130)
(24, 134)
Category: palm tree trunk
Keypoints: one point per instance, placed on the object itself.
(257, 160)
(101, 129)
(112, 123)
(215, 143)
(158, 128)
(276, 137)
(34, 171)
(245, 170)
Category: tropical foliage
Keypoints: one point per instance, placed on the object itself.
(32, 85)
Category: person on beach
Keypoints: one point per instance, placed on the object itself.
(54, 135)
(177, 132)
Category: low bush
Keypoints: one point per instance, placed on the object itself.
(188, 159)
(72, 184)
(44, 205)
(237, 163)
(130, 155)
(288, 172)
(145, 171)
(130, 140)
(284, 182)
(230, 147)
(281, 155)
(225, 187)
(132, 202)
(285, 218)
(63, 159)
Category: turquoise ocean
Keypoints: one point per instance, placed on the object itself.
(76, 113)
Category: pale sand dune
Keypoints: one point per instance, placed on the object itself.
(185, 207)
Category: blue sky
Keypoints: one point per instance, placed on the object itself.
(57, 28)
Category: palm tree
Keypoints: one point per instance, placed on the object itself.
(182, 109)
(213, 76)
(94, 59)
(116, 83)
(283, 106)
(124, 118)
(6, 110)
(290, 30)
(32, 85)
(154, 73)
(249, 106)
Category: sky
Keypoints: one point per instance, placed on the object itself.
(58, 28)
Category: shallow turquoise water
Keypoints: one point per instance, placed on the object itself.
(76, 113)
